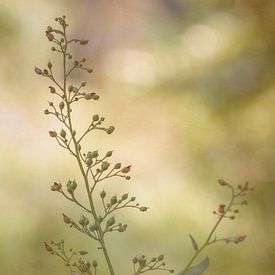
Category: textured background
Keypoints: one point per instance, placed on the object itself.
(189, 86)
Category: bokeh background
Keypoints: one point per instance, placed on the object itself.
(189, 86)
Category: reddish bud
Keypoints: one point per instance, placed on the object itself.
(53, 134)
(56, 186)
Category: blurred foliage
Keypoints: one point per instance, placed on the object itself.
(194, 85)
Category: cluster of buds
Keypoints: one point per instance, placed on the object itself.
(75, 94)
(112, 226)
(116, 203)
(240, 191)
(142, 264)
(72, 259)
(85, 266)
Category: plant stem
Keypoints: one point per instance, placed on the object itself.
(78, 157)
(213, 230)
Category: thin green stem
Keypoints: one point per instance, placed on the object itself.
(78, 157)
(212, 232)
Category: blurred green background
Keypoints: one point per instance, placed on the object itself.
(189, 86)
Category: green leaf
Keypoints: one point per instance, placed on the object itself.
(194, 243)
(197, 269)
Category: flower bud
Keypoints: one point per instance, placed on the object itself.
(124, 197)
(83, 42)
(83, 252)
(160, 258)
(143, 209)
(46, 112)
(105, 165)
(110, 130)
(48, 247)
(94, 264)
(63, 133)
(61, 105)
(38, 71)
(102, 194)
(122, 228)
(83, 221)
(52, 89)
(50, 36)
(95, 117)
(111, 222)
(126, 169)
(133, 199)
(222, 182)
(135, 260)
(113, 200)
(71, 186)
(109, 154)
(221, 208)
(89, 161)
(50, 65)
(56, 187)
(66, 219)
(93, 227)
(53, 133)
(117, 166)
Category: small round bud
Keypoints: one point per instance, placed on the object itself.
(83, 221)
(49, 65)
(48, 247)
(83, 84)
(135, 260)
(94, 264)
(102, 194)
(46, 112)
(52, 89)
(61, 105)
(95, 117)
(133, 199)
(143, 209)
(53, 49)
(160, 258)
